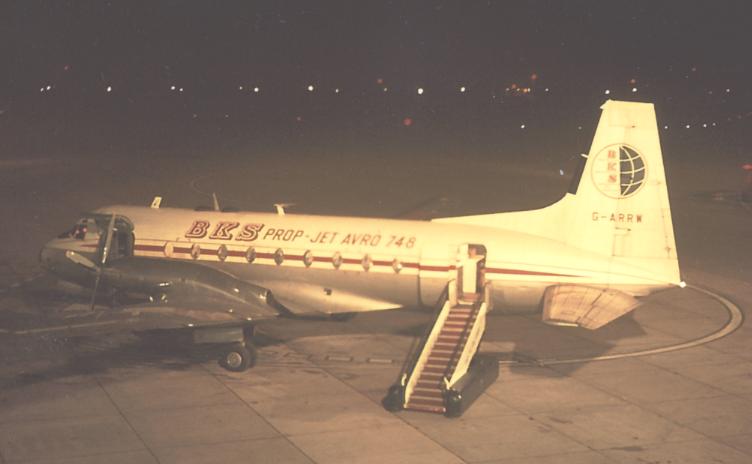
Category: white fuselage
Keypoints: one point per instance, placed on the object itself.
(333, 264)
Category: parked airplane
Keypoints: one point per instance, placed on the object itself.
(585, 260)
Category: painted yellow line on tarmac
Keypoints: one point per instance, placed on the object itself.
(736, 319)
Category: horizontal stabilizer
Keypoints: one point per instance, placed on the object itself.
(587, 307)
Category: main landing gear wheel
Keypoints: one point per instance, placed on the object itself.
(238, 357)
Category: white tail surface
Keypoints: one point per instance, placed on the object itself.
(619, 206)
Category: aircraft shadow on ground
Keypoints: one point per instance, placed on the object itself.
(529, 340)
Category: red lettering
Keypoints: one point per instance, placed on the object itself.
(611, 154)
(621, 217)
(198, 229)
(223, 230)
(611, 166)
(249, 232)
(639, 218)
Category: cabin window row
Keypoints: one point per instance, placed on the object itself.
(307, 257)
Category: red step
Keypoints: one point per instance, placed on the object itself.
(426, 404)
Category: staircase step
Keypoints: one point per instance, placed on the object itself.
(451, 339)
(423, 384)
(434, 370)
(421, 401)
(426, 408)
(434, 392)
(451, 331)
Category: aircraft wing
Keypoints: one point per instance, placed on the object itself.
(430, 209)
(302, 298)
(587, 307)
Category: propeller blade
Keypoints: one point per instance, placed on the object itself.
(108, 239)
(105, 252)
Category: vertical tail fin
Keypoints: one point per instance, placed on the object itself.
(618, 204)
(621, 205)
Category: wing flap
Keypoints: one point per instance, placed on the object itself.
(586, 307)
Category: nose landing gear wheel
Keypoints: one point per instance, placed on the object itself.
(238, 357)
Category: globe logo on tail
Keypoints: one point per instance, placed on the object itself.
(619, 171)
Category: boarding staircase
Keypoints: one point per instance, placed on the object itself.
(444, 375)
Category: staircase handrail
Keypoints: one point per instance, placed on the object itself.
(473, 340)
(438, 325)
(419, 343)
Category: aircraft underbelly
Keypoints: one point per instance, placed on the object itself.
(515, 297)
(307, 290)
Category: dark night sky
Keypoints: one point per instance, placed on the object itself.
(682, 55)
(210, 43)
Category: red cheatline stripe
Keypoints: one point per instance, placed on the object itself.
(410, 265)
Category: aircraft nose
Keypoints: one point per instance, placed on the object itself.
(49, 257)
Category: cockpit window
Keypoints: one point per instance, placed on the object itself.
(80, 231)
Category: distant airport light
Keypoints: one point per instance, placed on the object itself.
(522, 126)
(49, 87)
(240, 87)
(420, 90)
(607, 92)
(634, 89)
(665, 127)
(407, 122)
(180, 89)
(310, 88)
(41, 89)
(385, 89)
(728, 90)
(705, 125)
(109, 88)
(172, 87)
(463, 89)
(336, 90)
(682, 284)
(561, 172)
(256, 90)
(546, 90)
(579, 127)
(687, 126)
